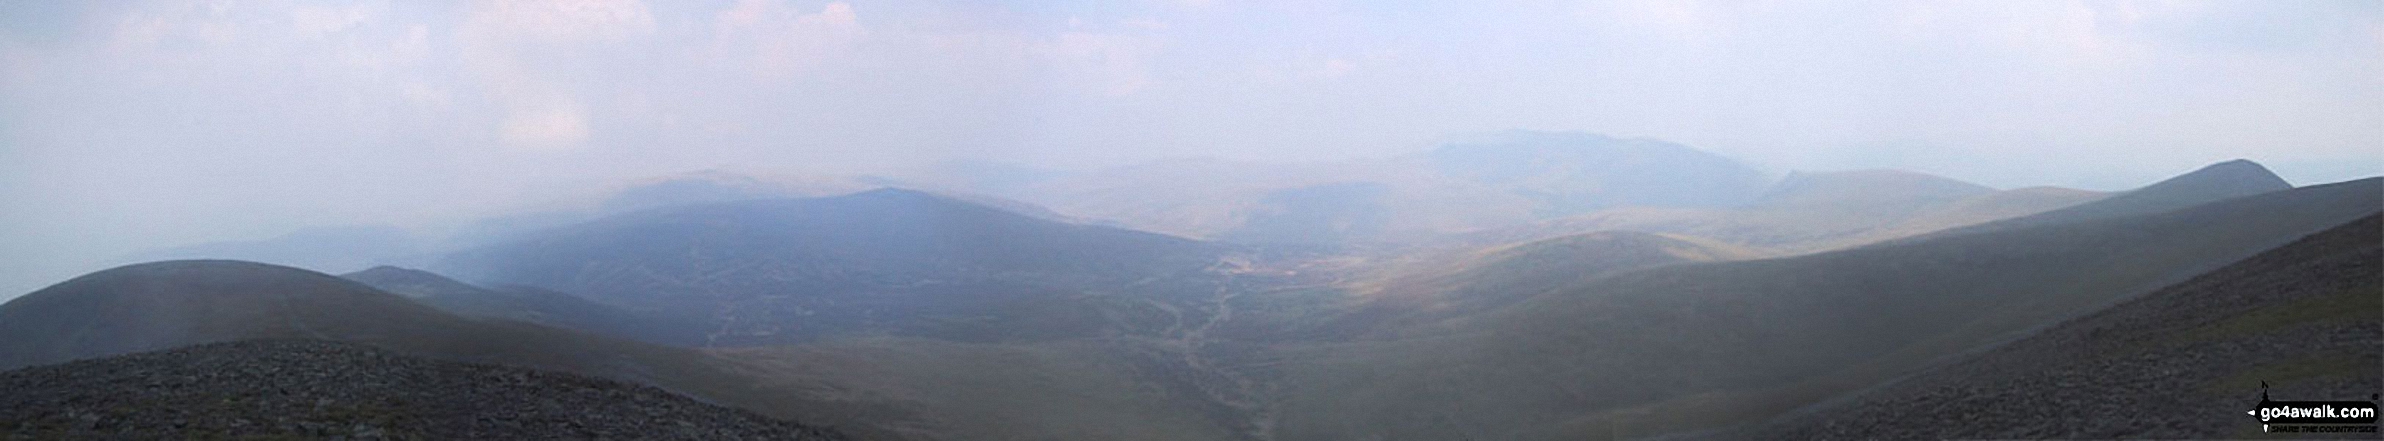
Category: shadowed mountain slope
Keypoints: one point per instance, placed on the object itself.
(530, 305)
(328, 390)
(1699, 345)
(2182, 362)
(884, 261)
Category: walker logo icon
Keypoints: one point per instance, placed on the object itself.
(2314, 416)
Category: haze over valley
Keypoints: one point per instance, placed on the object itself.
(1205, 220)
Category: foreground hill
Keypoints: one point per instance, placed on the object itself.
(326, 249)
(885, 261)
(166, 305)
(162, 305)
(2183, 362)
(1688, 346)
(321, 389)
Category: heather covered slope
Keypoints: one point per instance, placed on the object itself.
(1063, 390)
(1701, 345)
(321, 389)
(2183, 362)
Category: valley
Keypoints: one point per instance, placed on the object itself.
(899, 314)
(1190, 220)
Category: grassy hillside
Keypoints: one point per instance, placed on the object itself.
(1700, 345)
(2183, 362)
(1415, 297)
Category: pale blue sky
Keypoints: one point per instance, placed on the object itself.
(127, 125)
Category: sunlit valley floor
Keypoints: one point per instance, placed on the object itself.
(1874, 304)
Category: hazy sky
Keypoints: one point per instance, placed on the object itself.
(127, 125)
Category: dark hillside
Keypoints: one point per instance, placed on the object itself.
(165, 305)
(2184, 362)
(326, 390)
(1699, 345)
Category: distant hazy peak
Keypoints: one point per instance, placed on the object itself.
(921, 198)
(895, 193)
(1867, 186)
(706, 186)
(1576, 172)
(389, 271)
(1559, 143)
(412, 283)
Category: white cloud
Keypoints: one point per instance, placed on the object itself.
(315, 20)
(1115, 65)
(541, 109)
(549, 128)
(415, 46)
(777, 40)
(562, 21)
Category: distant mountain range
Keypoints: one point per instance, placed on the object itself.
(1487, 181)
(1817, 305)
(1480, 190)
